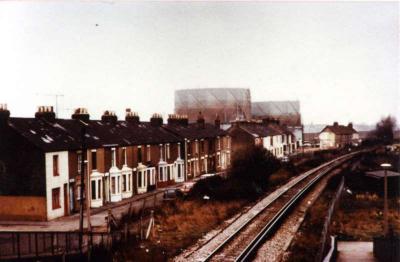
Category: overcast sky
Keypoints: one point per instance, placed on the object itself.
(341, 60)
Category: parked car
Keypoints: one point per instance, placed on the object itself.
(285, 159)
(187, 186)
(172, 194)
(206, 175)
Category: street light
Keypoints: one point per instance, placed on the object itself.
(385, 166)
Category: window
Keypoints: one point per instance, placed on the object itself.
(129, 182)
(124, 155)
(218, 143)
(139, 154)
(113, 156)
(169, 173)
(168, 151)
(93, 189)
(148, 152)
(94, 159)
(99, 188)
(113, 185)
(149, 177)
(79, 156)
(55, 165)
(55, 193)
(124, 183)
(202, 146)
(197, 147)
(119, 185)
(179, 170)
(140, 179)
(161, 174)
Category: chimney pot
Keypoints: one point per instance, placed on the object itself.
(45, 112)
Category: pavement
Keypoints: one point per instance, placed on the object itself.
(355, 251)
(97, 219)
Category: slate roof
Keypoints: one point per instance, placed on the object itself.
(65, 134)
(195, 131)
(340, 130)
(258, 130)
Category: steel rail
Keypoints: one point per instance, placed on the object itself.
(282, 212)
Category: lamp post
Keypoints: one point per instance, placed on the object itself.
(385, 166)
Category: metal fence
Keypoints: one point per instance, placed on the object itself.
(328, 219)
(15, 245)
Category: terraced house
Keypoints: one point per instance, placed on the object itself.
(42, 159)
(266, 133)
(207, 146)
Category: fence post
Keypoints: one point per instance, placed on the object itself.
(52, 242)
(36, 245)
(18, 245)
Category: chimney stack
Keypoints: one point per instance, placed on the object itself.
(45, 112)
(217, 122)
(156, 120)
(81, 114)
(200, 120)
(335, 124)
(109, 117)
(350, 125)
(132, 117)
(4, 113)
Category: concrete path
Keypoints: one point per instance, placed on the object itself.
(355, 251)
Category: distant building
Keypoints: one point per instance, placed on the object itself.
(336, 135)
(228, 103)
(269, 134)
(287, 112)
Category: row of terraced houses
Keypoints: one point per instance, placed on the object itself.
(41, 158)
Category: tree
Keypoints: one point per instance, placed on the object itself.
(384, 130)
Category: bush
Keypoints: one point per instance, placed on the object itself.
(247, 179)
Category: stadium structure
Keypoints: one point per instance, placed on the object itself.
(287, 112)
(228, 103)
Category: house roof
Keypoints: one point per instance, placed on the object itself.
(65, 134)
(259, 130)
(195, 130)
(340, 130)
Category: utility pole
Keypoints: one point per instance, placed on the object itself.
(385, 201)
(82, 174)
(82, 188)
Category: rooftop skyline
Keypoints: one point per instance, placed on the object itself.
(339, 59)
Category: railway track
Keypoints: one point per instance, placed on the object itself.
(243, 242)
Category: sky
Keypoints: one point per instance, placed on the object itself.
(340, 59)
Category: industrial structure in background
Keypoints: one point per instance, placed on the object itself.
(228, 103)
(232, 104)
(287, 112)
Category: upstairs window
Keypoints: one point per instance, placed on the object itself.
(148, 152)
(202, 146)
(55, 166)
(167, 151)
(94, 159)
(113, 157)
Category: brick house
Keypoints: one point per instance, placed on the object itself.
(267, 133)
(334, 136)
(41, 157)
(206, 146)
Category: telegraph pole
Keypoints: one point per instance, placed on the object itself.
(82, 174)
